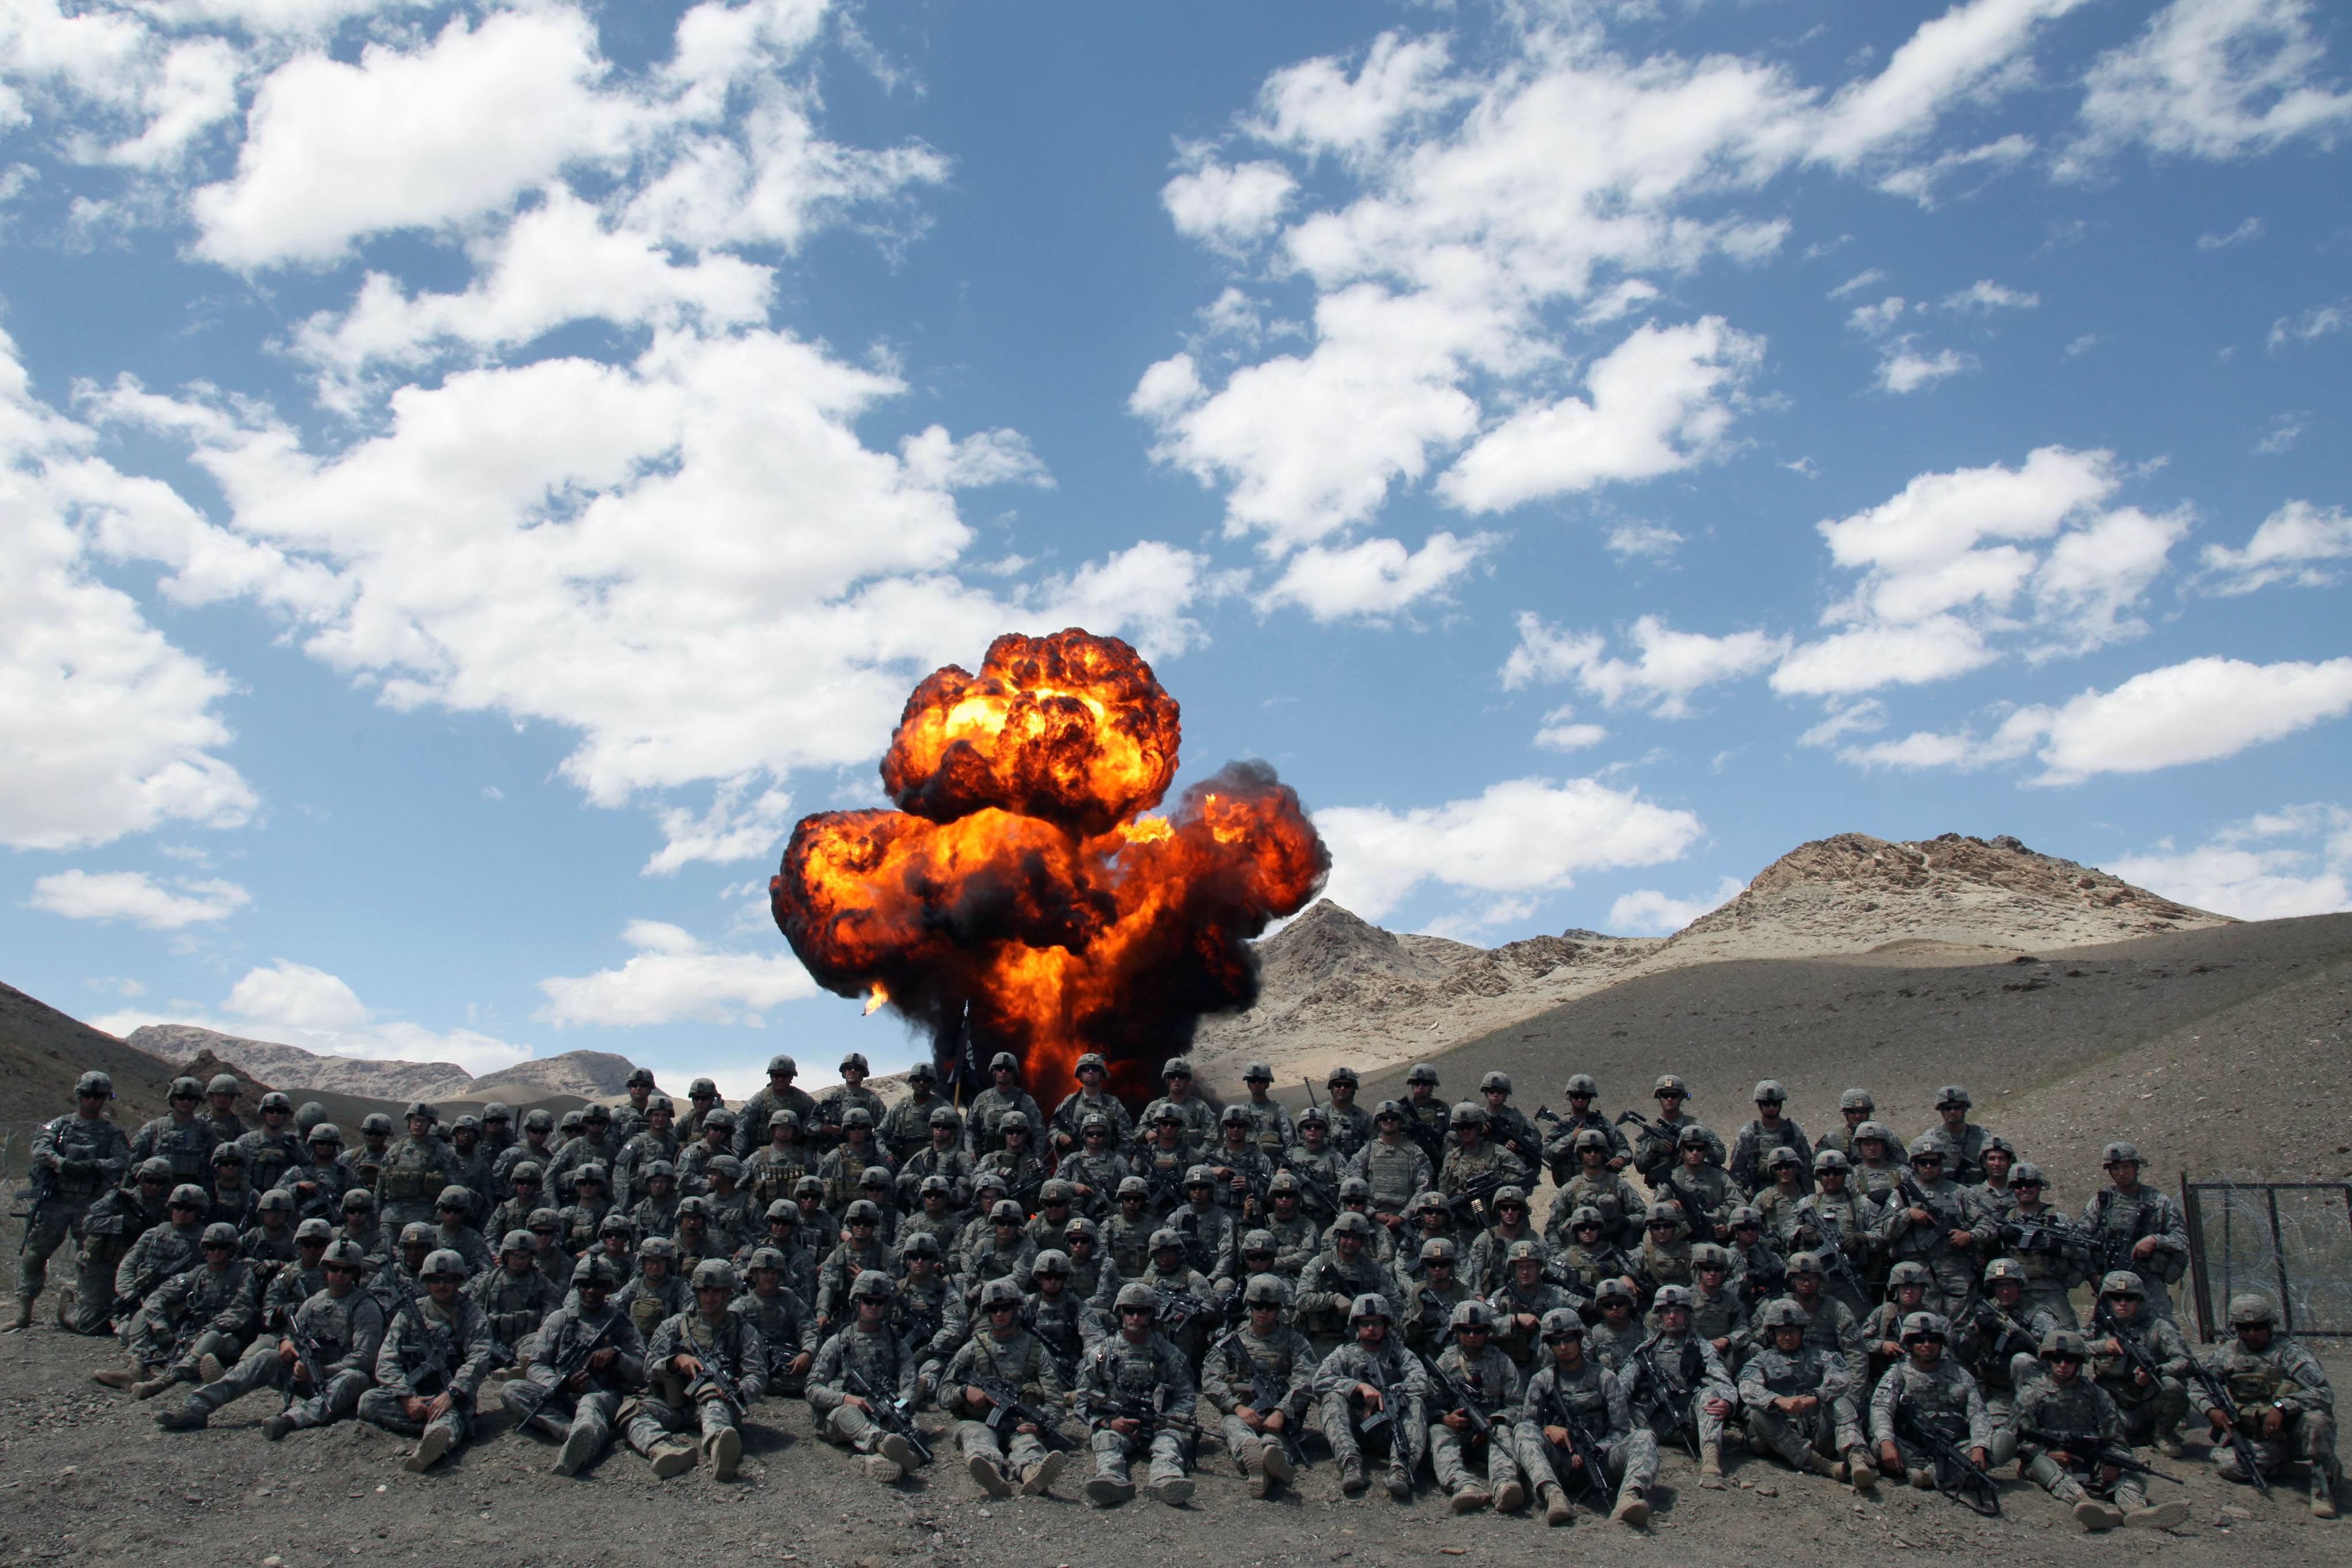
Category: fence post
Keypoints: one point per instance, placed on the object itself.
(2200, 1290)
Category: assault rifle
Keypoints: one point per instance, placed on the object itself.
(714, 1375)
(1479, 1191)
(1836, 1265)
(888, 1414)
(1580, 1446)
(1447, 1393)
(2217, 1396)
(306, 1352)
(1999, 1328)
(1146, 1415)
(1318, 1196)
(2089, 1448)
(2048, 1233)
(1175, 1309)
(1958, 1477)
(436, 1342)
(1658, 1395)
(1390, 1393)
(39, 1187)
(921, 1325)
(576, 1356)
(1007, 1409)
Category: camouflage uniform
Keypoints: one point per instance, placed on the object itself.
(905, 1128)
(990, 1106)
(1270, 1374)
(199, 1313)
(1595, 1397)
(1681, 1371)
(1832, 1429)
(642, 1148)
(1946, 1398)
(648, 1302)
(1492, 1380)
(1197, 1116)
(1754, 1143)
(1402, 1423)
(2284, 1377)
(158, 1254)
(88, 1155)
(2081, 1412)
(1270, 1126)
(1118, 1374)
(1830, 1327)
(787, 1328)
(582, 1421)
(887, 1370)
(1952, 1208)
(1620, 1203)
(347, 1335)
(1069, 1117)
(2149, 1413)
(771, 1172)
(515, 1304)
(752, 1117)
(403, 1371)
(1021, 1362)
(1397, 1173)
(1351, 1127)
(674, 1405)
(1327, 1288)
(2054, 1253)
(184, 1142)
(2116, 1224)
(414, 1173)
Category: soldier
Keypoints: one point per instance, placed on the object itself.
(1576, 1391)
(1830, 1222)
(546, 1233)
(1757, 1271)
(2000, 1342)
(1472, 1159)
(196, 1323)
(655, 1211)
(1877, 1168)
(1855, 1107)
(1937, 1393)
(1316, 1166)
(1005, 1253)
(318, 1183)
(820, 1228)
(1271, 1128)
(537, 1127)
(2141, 1362)
(1522, 1300)
(1799, 1400)
(223, 1093)
(1665, 1256)
(751, 1123)
(75, 1158)
(595, 1146)
(999, 1368)
(271, 1241)
(657, 1290)
(1999, 1161)
(1702, 1189)
(2055, 1252)
(1095, 1167)
(1330, 1286)
(1064, 1320)
(1486, 1378)
(853, 1093)
(1091, 1098)
(1430, 1296)
(861, 1365)
(787, 1328)
(1004, 1096)
(1051, 1223)
(1778, 1202)
(360, 1230)
(1351, 1124)
(323, 1363)
(1195, 1116)
(2135, 1226)
(110, 1227)
(1394, 1167)
(1259, 1377)
(1013, 1157)
(159, 1253)
(905, 1129)
(945, 1157)
(1831, 1326)
(585, 1358)
(1494, 1244)
(1619, 1332)
(235, 1199)
(616, 1244)
(1172, 1278)
(2279, 1401)
(1206, 1226)
(710, 1365)
(1753, 1145)
(275, 1293)
(1595, 1184)
(1238, 1165)
(2061, 1432)
(1718, 1311)
(514, 1296)
(928, 1311)
(695, 1238)
(1373, 1392)
(1659, 1148)
(1092, 1275)
(773, 1170)
(1427, 1117)
(1677, 1386)
(1294, 1234)
(1136, 1392)
(1941, 1225)
(701, 1099)
(1560, 1151)
(180, 1138)
(727, 1210)
(1907, 1284)
(414, 1171)
(1163, 1158)
(470, 1164)
(652, 1140)
(523, 1190)
(1962, 1141)
(584, 1214)
(1584, 1256)
(630, 1117)
(859, 1252)
(436, 1353)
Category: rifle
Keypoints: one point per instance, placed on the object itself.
(1312, 1102)
(1006, 1406)
(921, 1325)
(1546, 1113)
(436, 1343)
(1175, 1309)
(1149, 1416)
(715, 1374)
(1451, 1395)
(1390, 1393)
(39, 1187)
(2046, 1233)
(2106, 1323)
(1634, 1118)
(2094, 1451)
(575, 1357)
(1948, 1458)
(2216, 1395)
(888, 1414)
(1836, 1263)
(306, 1351)
(1658, 1396)
(1479, 1190)
(1318, 1196)
(1581, 1446)
(2005, 1327)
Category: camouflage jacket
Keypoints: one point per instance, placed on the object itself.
(1948, 1395)
(514, 1304)
(1022, 1360)
(1276, 1372)
(1117, 1372)
(877, 1357)
(732, 1342)
(459, 1333)
(563, 1331)
(91, 1155)
(1592, 1394)
(1773, 1374)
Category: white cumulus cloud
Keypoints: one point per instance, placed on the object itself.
(2291, 545)
(1228, 205)
(2215, 80)
(673, 975)
(136, 897)
(2296, 860)
(1671, 667)
(1653, 913)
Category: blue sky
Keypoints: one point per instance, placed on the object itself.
(477, 474)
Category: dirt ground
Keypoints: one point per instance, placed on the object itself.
(102, 1485)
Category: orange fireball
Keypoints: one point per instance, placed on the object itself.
(1020, 901)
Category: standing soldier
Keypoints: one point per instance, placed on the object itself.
(1830, 1222)
(1314, 1160)
(1560, 1151)
(2279, 1402)
(1659, 1148)
(1001, 1366)
(223, 1093)
(1196, 1117)
(752, 1117)
(1854, 1108)
(436, 1353)
(1091, 1099)
(1351, 1124)
(853, 1092)
(1373, 1392)
(1240, 1165)
(1259, 1378)
(864, 1364)
(1393, 1165)
(1962, 1141)
(1271, 1128)
(1004, 1096)
(578, 1367)
(274, 1145)
(710, 1365)
(1800, 1400)
(652, 1137)
(1933, 1221)
(1136, 1392)
(2062, 1430)
(515, 1296)
(1507, 1126)
(701, 1099)
(1473, 1158)
(538, 1126)
(1488, 1380)
(181, 1137)
(945, 1157)
(1594, 1184)
(1095, 1167)
(1938, 1393)
(905, 1128)
(2055, 1253)
(1331, 1285)
(1426, 1115)
(76, 1157)
(1752, 1146)
(2135, 1226)
(414, 1173)
(1577, 1396)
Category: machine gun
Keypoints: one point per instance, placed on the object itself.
(2092, 1450)
(1007, 1409)
(2216, 1395)
(1580, 1446)
(2048, 1233)
(1658, 1395)
(888, 1412)
(1450, 1396)
(1958, 1477)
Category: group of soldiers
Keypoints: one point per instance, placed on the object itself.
(1853, 1306)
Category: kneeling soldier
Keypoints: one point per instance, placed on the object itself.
(324, 1361)
(1799, 1400)
(2279, 1401)
(709, 1365)
(1260, 1378)
(1577, 1427)
(2067, 1436)
(1483, 1375)
(579, 1364)
(433, 1362)
(1001, 1368)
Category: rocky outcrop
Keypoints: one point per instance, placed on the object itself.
(591, 1075)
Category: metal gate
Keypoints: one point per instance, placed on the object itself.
(2290, 1241)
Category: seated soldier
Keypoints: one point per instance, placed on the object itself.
(1799, 1400)
(584, 1358)
(1718, 1315)
(786, 1325)
(195, 1323)
(927, 1313)
(2001, 1341)
(431, 1365)
(655, 1211)
(1882, 1331)
(1663, 1256)
(1005, 1391)
(1483, 1377)
(863, 1383)
(1933, 1392)
(1136, 1392)
(2141, 1362)
(1372, 1393)
(1259, 1379)
(1065, 1322)
(1678, 1386)
(1597, 1186)
(1523, 1299)
(2066, 1436)
(323, 1362)
(1584, 1258)
(1830, 1324)
(706, 1365)
(1575, 1411)
(515, 1296)
(2279, 1402)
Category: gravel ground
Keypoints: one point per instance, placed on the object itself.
(101, 1485)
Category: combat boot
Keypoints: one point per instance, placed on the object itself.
(2323, 1493)
(1822, 1465)
(672, 1456)
(580, 1446)
(429, 1449)
(1633, 1509)
(1043, 1475)
(1277, 1460)
(277, 1426)
(1555, 1501)
(1400, 1483)
(1510, 1496)
(1861, 1470)
(1472, 1497)
(1710, 1467)
(148, 1388)
(724, 1449)
(209, 1369)
(987, 1475)
(2163, 1516)
(1174, 1491)
(119, 1377)
(189, 1417)
(23, 1318)
(1253, 1462)
(882, 1471)
(1352, 1475)
(1110, 1491)
(895, 1449)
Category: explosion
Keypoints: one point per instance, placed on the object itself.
(1020, 900)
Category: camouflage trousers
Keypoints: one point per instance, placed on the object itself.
(2309, 1436)
(653, 1420)
(2129, 1493)
(2156, 1416)
(1632, 1461)
(534, 1401)
(263, 1367)
(1454, 1457)
(382, 1407)
(1401, 1440)
(1164, 1449)
(1020, 1451)
(47, 1229)
(1239, 1438)
(1829, 1430)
